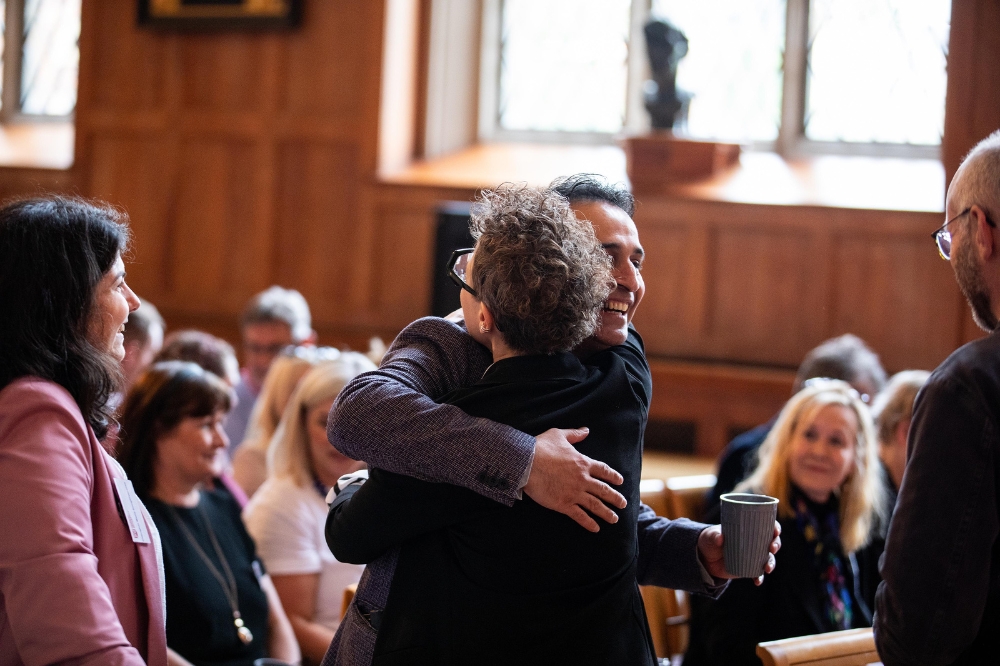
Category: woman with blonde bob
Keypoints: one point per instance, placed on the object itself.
(287, 515)
(250, 457)
(821, 462)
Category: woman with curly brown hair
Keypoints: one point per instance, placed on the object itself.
(467, 579)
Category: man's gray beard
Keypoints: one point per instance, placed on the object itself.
(970, 281)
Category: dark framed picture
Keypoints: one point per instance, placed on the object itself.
(219, 14)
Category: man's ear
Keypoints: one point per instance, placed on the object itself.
(985, 242)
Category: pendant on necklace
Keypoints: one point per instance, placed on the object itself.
(244, 633)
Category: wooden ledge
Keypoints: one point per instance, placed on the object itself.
(853, 647)
(835, 181)
(44, 145)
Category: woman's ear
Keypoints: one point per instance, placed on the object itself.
(485, 320)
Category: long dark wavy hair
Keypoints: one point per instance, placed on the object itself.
(53, 253)
(164, 395)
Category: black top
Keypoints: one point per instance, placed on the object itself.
(939, 602)
(199, 618)
(519, 584)
(788, 603)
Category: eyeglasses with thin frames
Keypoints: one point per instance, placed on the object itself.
(458, 269)
(942, 237)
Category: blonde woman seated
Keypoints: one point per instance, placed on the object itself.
(287, 515)
(821, 461)
(250, 458)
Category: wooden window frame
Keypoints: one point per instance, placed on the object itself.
(13, 59)
(490, 131)
(474, 102)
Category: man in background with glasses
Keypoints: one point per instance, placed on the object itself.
(939, 602)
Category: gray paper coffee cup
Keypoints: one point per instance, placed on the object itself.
(747, 531)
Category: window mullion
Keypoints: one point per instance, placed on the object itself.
(489, 69)
(793, 99)
(12, 54)
(636, 116)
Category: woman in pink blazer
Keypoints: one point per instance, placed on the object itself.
(80, 572)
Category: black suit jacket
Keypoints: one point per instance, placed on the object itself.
(478, 582)
(727, 630)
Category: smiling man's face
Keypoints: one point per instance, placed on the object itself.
(617, 233)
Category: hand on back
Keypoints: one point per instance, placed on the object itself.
(563, 479)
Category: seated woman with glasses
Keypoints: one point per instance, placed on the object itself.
(222, 608)
(455, 578)
(821, 461)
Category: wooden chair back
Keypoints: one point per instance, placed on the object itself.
(854, 647)
(349, 593)
(686, 495)
(667, 611)
(653, 493)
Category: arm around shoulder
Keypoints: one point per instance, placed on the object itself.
(389, 417)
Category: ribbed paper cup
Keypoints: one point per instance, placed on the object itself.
(747, 531)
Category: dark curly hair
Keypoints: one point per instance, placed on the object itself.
(53, 253)
(164, 395)
(541, 272)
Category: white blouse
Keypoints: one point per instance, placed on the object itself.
(287, 523)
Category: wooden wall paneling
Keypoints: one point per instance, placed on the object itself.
(325, 67)
(121, 66)
(21, 182)
(132, 171)
(716, 398)
(972, 107)
(672, 312)
(240, 156)
(763, 284)
(224, 72)
(895, 293)
(405, 222)
(402, 259)
(216, 226)
(318, 223)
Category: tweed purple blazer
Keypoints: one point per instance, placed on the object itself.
(389, 419)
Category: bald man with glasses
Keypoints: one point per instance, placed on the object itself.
(939, 602)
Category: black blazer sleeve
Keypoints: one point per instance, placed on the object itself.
(390, 509)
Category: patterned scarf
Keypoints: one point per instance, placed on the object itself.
(820, 525)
